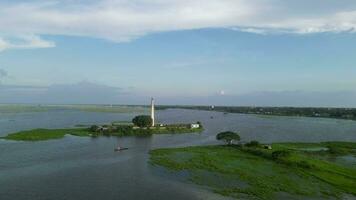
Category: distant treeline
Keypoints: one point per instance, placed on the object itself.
(338, 113)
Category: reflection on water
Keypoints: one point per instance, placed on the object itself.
(87, 168)
(349, 160)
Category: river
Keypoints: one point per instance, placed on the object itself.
(81, 168)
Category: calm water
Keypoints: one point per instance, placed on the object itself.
(86, 168)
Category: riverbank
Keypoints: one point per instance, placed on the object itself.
(315, 112)
(289, 170)
(119, 131)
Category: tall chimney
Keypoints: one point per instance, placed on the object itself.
(153, 111)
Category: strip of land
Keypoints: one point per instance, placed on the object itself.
(287, 171)
(105, 130)
(336, 113)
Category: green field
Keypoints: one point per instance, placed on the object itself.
(45, 134)
(305, 171)
(122, 130)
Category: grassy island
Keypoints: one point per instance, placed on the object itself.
(95, 131)
(277, 171)
(46, 134)
(141, 125)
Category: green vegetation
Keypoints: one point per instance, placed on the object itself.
(228, 136)
(288, 171)
(337, 113)
(253, 143)
(131, 130)
(140, 127)
(46, 134)
(142, 121)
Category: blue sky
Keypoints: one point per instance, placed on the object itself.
(257, 52)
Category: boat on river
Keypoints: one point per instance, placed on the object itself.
(120, 148)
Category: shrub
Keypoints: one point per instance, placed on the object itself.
(253, 143)
(200, 124)
(337, 150)
(258, 152)
(304, 164)
(280, 155)
(93, 128)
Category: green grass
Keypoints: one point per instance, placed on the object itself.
(45, 134)
(254, 173)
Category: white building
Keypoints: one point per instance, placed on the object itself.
(194, 126)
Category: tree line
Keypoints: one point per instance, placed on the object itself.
(338, 113)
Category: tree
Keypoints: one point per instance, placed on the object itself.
(280, 155)
(93, 128)
(142, 121)
(228, 137)
(200, 124)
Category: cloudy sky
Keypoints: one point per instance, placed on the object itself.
(233, 52)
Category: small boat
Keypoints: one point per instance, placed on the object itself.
(120, 148)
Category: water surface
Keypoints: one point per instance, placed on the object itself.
(88, 168)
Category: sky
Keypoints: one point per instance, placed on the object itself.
(211, 52)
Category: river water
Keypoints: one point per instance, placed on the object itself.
(81, 168)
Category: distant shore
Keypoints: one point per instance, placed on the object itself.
(316, 112)
(19, 108)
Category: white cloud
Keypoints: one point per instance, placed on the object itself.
(124, 20)
(25, 42)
